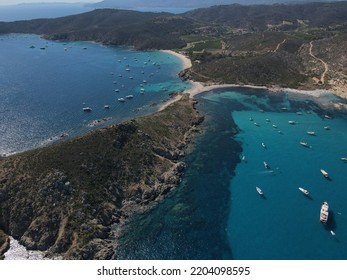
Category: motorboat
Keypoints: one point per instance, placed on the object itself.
(292, 122)
(259, 190)
(324, 173)
(87, 109)
(304, 191)
(324, 213)
(129, 96)
(305, 144)
(312, 133)
(266, 165)
(343, 159)
(121, 99)
(263, 145)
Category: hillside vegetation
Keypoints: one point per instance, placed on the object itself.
(68, 199)
(266, 45)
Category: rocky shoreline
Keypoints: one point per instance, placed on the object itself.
(71, 200)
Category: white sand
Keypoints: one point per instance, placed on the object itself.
(198, 87)
(186, 62)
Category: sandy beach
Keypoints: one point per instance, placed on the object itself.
(186, 63)
(198, 87)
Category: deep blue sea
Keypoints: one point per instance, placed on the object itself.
(216, 212)
(45, 88)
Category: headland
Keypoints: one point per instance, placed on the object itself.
(70, 199)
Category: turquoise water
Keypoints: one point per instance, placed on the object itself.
(44, 88)
(216, 213)
(286, 224)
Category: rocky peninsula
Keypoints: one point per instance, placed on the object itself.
(70, 198)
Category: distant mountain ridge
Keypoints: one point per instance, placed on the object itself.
(258, 17)
(148, 30)
(160, 3)
(227, 44)
(194, 4)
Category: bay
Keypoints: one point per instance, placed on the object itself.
(45, 85)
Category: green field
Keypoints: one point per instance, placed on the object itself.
(195, 38)
(207, 45)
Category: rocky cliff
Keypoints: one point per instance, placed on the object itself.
(68, 199)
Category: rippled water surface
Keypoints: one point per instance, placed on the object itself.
(216, 212)
(45, 85)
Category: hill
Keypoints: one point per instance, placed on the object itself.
(298, 46)
(282, 16)
(109, 26)
(70, 198)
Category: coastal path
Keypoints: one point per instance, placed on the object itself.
(322, 79)
(279, 45)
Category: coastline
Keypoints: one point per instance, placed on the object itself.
(164, 137)
(199, 87)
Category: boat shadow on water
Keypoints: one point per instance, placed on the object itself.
(331, 223)
(329, 179)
